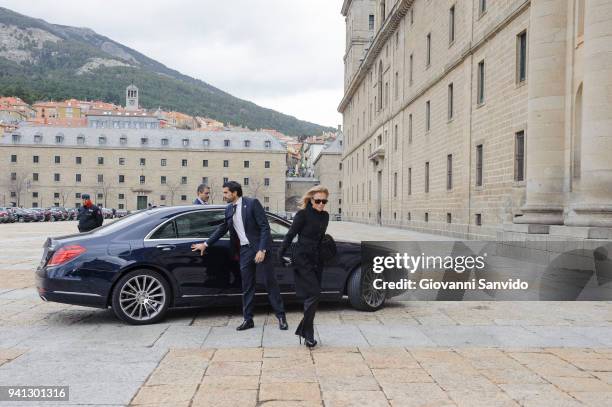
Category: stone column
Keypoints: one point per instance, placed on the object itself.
(593, 205)
(546, 113)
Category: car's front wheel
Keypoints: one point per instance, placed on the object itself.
(141, 297)
(361, 292)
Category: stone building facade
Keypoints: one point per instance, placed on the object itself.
(466, 118)
(328, 171)
(128, 169)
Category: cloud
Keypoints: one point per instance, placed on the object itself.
(282, 54)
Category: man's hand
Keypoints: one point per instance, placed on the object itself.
(260, 256)
(199, 246)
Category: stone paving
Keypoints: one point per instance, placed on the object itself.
(409, 353)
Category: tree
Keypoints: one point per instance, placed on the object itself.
(255, 188)
(173, 187)
(105, 188)
(65, 193)
(17, 182)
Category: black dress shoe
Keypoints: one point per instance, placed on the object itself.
(282, 323)
(246, 324)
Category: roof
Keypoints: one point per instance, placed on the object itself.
(333, 147)
(154, 138)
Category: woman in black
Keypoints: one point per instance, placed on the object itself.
(309, 224)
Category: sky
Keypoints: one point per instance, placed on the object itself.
(282, 54)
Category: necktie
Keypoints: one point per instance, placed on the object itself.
(234, 209)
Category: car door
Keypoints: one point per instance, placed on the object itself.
(284, 275)
(215, 273)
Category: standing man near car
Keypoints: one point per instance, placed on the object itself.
(90, 216)
(203, 195)
(249, 230)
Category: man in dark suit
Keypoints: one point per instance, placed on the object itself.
(249, 230)
(203, 195)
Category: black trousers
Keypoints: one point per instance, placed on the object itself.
(248, 270)
(311, 294)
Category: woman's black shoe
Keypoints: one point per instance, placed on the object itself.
(310, 344)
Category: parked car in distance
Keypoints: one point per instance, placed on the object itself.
(22, 215)
(4, 215)
(40, 216)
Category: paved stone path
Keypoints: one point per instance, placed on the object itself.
(409, 353)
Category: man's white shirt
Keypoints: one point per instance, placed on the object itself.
(238, 225)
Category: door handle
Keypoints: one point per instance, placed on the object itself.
(165, 247)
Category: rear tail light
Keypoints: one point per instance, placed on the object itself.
(65, 254)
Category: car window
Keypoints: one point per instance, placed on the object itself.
(198, 224)
(277, 228)
(167, 231)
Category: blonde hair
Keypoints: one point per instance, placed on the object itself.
(310, 193)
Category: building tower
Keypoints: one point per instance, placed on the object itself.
(131, 98)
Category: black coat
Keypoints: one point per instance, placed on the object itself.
(310, 226)
(89, 218)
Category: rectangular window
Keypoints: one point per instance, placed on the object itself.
(121, 196)
(14, 176)
(163, 162)
(185, 142)
(183, 197)
(451, 101)
(144, 141)
(427, 176)
(449, 172)
(449, 217)
(58, 159)
(100, 160)
(519, 156)
(246, 164)
(204, 163)
(226, 143)
(247, 143)
(13, 158)
(371, 22)
(164, 142)
(122, 161)
(411, 69)
(267, 182)
(183, 180)
(427, 115)
(410, 128)
(521, 57)
(184, 163)
(162, 180)
(35, 176)
(396, 90)
(267, 164)
(56, 177)
(142, 179)
(245, 181)
(35, 159)
(225, 179)
(77, 177)
(482, 6)
(225, 163)
(143, 161)
(123, 141)
(395, 184)
(428, 56)
(409, 181)
(479, 158)
(481, 83)
(451, 25)
(478, 219)
(121, 179)
(395, 137)
(78, 160)
(100, 178)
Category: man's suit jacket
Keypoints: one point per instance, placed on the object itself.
(255, 223)
(198, 202)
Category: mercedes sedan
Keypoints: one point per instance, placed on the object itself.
(142, 265)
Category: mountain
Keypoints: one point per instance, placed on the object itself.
(43, 61)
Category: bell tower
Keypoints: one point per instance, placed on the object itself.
(131, 97)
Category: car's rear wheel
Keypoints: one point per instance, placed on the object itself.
(361, 292)
(141, 297)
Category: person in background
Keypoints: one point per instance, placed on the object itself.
(203, 195)
(90, 216)
(309, 224)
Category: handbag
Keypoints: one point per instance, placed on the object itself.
(328, 248)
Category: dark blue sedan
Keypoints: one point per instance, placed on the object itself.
(142, 265)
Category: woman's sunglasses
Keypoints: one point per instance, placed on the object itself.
(320, 201)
